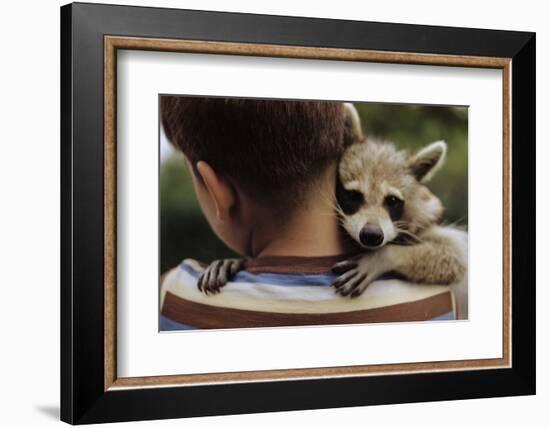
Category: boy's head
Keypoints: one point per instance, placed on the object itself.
(268, 153)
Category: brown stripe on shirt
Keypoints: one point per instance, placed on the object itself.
(287, 264)
(204, 316)
(293, 264)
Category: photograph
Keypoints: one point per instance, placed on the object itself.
(283, 212)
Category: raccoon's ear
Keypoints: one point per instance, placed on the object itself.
(353, 132)
(427, 161)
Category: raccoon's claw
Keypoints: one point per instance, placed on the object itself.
(352, 283)
(217, 274)
(344, 266)
(355, 275)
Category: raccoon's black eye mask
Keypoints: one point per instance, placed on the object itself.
(395, 206)
(349, 200)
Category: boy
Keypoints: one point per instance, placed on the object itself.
(264, 172)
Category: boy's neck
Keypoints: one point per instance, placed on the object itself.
(307, 235)
(313, 230)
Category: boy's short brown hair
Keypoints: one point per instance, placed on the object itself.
(274, 149)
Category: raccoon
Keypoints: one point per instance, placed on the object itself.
(384, 205)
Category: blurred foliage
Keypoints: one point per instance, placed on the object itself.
(186, 233)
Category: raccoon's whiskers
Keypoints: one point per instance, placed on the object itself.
(336, 208)
(329, 198)
(455, 223)
(408, 233)
(401, 224)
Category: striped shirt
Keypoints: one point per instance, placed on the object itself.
(293, 291)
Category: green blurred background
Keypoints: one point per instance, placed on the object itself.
(184, 231)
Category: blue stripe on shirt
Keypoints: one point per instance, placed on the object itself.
(293, 279)
(166, 324)
(444, 317)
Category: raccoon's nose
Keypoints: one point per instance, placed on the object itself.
(371, 236)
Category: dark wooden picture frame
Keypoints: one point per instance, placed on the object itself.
(90, 389)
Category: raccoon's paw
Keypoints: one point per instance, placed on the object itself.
(218, 274)
(355, 275)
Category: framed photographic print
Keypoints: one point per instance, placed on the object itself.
(266, 213)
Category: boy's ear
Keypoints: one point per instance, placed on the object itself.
(427, 161)
(220, 189)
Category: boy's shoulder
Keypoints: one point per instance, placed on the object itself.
(257, 282)
(268, 294)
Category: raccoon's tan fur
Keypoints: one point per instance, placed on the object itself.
(434, 254)
(376, 169)
(438, 259)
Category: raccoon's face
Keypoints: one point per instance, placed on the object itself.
(381, 194)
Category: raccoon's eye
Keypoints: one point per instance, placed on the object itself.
(392, 200)
(349, 200)
(394, 206)
(354, 196)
